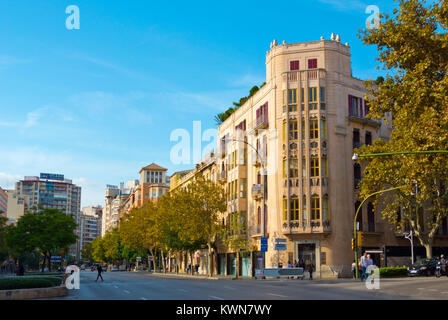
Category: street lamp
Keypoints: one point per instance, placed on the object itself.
(410, 237)
(264, 186)
(355, 157)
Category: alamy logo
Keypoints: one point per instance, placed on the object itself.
(73, 20)
(373, 280)
(373, 21)
(72, 281)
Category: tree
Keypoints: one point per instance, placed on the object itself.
(45, 230)
(413, 50)
(201, 203)
(98, 252)
(87, 253)
(234, 235)
(3, 232)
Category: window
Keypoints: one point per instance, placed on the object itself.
(293, 168)
(293, 130)
(312, 94)
(368, 138)
(294, 65)
(285, 209)
(322, 98)
(292, 96)
(243, 183)
(243, 156)
(315, 208)
(357, 174)
(312, 63)
(325, 210)
(303, 129)
(314, 129)
(294, 215)
(356, 138)
(304, 208)
(359, 217)
(323, 128)
(303, 168)
(353, 106)
(302, 98)
(314, 167)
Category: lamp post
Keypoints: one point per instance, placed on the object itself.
(355, 234)
(410, 237)
(264, 187)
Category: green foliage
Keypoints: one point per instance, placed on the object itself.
(413, 49)
(44, 230)
(393, 272)
(29, 283)
(221, 117)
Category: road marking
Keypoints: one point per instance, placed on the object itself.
(143, 298)
(217, 298)
(278, 295)
(183, 290)
(126, 291)
(116, 287)
(433, 290)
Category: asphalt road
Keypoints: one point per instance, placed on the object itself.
(144, 286)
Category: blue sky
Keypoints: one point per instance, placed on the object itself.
(98, 103)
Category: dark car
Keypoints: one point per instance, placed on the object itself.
(423, 267)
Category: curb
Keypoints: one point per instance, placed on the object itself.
(180, 276)
(35, 293)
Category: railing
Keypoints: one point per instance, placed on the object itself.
(261, 121)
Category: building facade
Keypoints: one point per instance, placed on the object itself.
(48, 191)
(3, 202)
(286, 158)
(90, 224)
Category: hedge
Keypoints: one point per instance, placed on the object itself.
(393, 272)
(29, 283)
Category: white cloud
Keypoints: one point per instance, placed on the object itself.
(8, 180)
(345, 5)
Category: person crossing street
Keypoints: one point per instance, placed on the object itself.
(100, 271)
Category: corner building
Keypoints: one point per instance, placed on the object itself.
(304, 123)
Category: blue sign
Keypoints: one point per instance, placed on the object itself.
(277, 240)
(281, 246)
(264, 248)
(264, 240)
(52, 176)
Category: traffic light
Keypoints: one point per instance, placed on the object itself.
(360, 237)
(353, 244)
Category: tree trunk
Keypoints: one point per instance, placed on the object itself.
(44, 262)
(237, 273)
(163, 261)
(209, 260)
(191, 262)
(428, 249)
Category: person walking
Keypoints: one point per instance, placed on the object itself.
(310, 269)
(354, 269)
(364, 265)
(100, 271)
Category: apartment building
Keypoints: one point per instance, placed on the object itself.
(286, 157)
(3, 202)
(48, 191)
(89, 225)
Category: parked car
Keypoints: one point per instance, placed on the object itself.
(423, 267)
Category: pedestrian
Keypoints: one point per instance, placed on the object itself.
(364, 265)
(100, 270)
(301, 264)
(289, 264)
(296, 264)
(310, 268)
(354, 269)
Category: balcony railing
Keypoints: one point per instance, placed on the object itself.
(255, 229)
(261, 122)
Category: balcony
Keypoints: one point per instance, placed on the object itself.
(261, 122)
(222, 176)
(257, 192)
(296, 227)
(255, 230)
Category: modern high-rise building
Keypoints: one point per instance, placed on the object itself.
(90, 223)
(3, 202)
(49, 191)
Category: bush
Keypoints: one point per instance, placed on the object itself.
(29, 283)
(393, 272)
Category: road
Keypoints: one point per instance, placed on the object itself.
(144, 286)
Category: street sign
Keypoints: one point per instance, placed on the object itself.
(280, 246)
(278, 240)
(264, 240)
(264, 248)
(138, 259)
